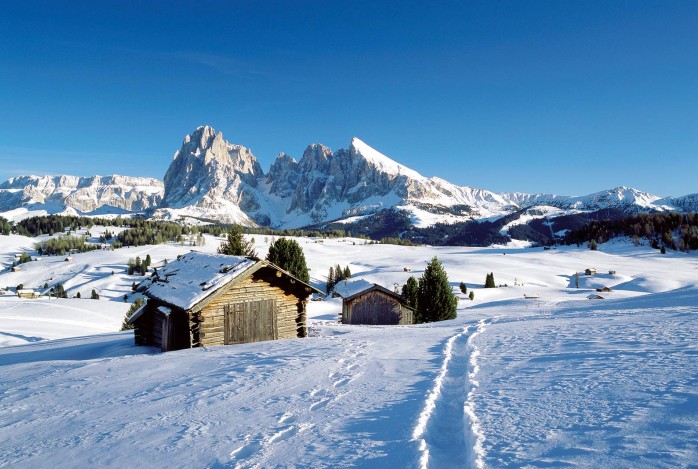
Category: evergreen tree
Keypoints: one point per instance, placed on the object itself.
(463, 288)
(410, 291)
(95, 295)
(435, 299)
(472, 295)
(235, 244)
(489, 281)
(347, 272)
(288, 254)
(148, 261)
(59, 291)
(132, 309)
(330, 280)
(77, 295)
(592, 245)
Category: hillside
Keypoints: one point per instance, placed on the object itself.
(557, 380)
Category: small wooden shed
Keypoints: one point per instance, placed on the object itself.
(590, 271)
(213, 299)
(28, 293)
(370, 303)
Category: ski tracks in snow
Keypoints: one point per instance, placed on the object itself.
(448, 431)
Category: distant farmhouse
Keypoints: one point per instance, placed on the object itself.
(213, 299)
(28, 293)
(370, 303)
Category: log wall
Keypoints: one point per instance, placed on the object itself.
(209, 324)
(377, 308)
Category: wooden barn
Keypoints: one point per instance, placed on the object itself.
(213, 299)
(370, 303)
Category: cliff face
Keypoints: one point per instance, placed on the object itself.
(84, 194)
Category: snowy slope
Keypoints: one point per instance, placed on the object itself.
(555, 381)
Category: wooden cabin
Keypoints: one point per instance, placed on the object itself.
(28, 293)
(590, 271)
(366, 303)
(213, 299)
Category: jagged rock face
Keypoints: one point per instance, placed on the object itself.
(84, 194)
(283, 176)
(687, 203)
(214, 176)
(327, 178)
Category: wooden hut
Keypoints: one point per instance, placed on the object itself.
(590, 271)
(28, 293)
(213, 299)
(370, 303)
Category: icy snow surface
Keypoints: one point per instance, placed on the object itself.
(548, 382)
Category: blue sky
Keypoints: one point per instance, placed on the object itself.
(532, 96)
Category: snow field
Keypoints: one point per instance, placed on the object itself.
(560, 380)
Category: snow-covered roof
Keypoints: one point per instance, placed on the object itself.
(347, 288)
(194, 276)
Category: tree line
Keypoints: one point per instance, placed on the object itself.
(675, 231)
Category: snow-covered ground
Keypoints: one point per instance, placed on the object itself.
(554, 381)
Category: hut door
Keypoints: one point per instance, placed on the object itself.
(250, 321)
(167, 330)
(374, 309)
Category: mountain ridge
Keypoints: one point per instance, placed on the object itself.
(211, 178)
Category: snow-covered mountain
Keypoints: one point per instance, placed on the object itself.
(55, 194)
(212, 178)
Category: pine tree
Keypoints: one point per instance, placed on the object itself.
(235, 244)
(435, 299)
(410, 291)
(95, 295)
(592, 245)
(330, 280)
(132, 309)
(347, 272)
(463, 288)
(77, 295)
(472, 295)
(489, 281)
(288, 254)
(148, 261)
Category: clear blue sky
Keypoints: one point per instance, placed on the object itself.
(535, 96)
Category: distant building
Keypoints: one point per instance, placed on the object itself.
(28, 293)
(590, 271)
(370, 303)
(15, 268)
(595, 297)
